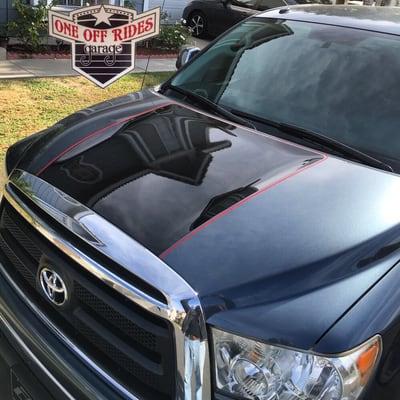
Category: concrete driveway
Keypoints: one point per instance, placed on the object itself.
(39, 68)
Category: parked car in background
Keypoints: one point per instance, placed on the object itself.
(212, 17)
(173, 8)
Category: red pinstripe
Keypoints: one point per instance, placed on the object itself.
(98, 132)
(188, 236)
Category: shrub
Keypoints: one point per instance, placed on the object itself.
(172, 37)
(30, 25)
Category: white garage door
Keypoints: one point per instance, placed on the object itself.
(173, 8)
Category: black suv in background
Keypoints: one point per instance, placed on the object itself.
(212, 17)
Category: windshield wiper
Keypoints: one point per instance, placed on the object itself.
(223, 112)
(314, 137)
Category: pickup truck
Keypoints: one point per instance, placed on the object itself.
(231, 234)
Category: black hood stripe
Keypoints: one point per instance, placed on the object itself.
(98, 132)
(160, 175)
(269, 186)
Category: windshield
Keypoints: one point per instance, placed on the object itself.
(342, 83)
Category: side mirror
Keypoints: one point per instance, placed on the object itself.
(185, 55)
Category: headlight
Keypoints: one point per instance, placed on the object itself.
(258, 371)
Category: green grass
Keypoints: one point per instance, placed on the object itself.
(27, 106)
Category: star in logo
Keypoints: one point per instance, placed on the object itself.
(103, 39)
(103, 16)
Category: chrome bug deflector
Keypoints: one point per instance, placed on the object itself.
(181, 307)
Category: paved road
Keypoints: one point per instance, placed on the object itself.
(41, 68)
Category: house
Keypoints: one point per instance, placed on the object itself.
(173, 8)
(8, 12)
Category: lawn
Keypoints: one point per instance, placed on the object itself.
(27, 106)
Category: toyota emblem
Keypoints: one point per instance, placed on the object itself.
(53, 286)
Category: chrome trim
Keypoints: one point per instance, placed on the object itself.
(182, 303)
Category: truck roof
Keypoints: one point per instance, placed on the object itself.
(380, 19)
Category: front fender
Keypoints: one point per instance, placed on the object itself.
(377, 312)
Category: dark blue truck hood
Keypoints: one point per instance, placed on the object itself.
(278, 240)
